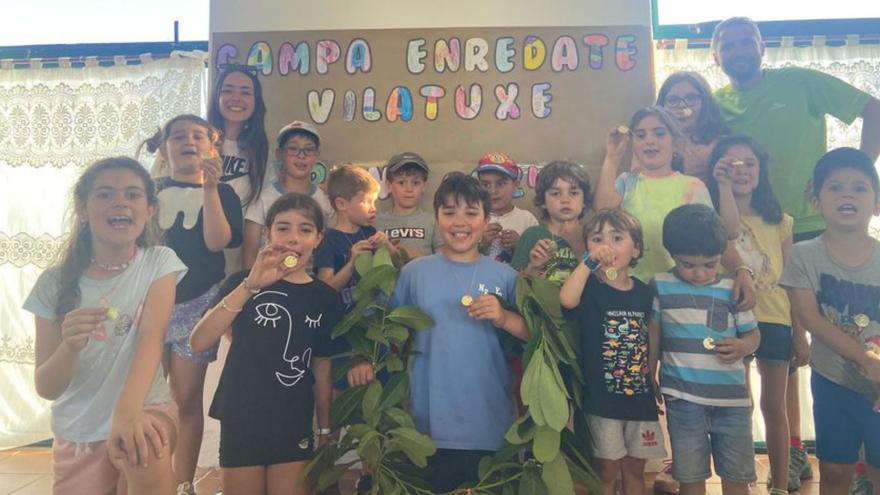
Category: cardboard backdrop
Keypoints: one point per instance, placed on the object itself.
(451, 94)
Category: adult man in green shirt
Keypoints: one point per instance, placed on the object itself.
(784, 109)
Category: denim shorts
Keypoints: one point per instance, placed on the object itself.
(844, 421)
(697, 431)
(776, 344)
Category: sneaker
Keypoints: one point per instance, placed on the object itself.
(806, 471)
(664, 482)
(861, 485)
(186, 488)
(363, 484)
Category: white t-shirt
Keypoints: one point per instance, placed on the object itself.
(517, 220)
(258, 208)
(235, 169)
(84, 410)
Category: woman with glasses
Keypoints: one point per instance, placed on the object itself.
(688, 98)
(299, 146)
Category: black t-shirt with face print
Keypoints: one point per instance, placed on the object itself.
(267, 379)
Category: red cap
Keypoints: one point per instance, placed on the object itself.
(498, 162)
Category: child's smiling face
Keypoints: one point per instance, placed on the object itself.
(847, 200)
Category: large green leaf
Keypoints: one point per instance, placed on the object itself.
(370, 404)
(412, 317)
(382, 257)
(382, 278)
(376, 334)
(351, 318)
(370, 449)
(343, 408)
(546, 445)
(521, 431)
(363, 263)
(331, 476)
(552, 396)
(395, 364)
(556, 476)
(531, 483)
(547, 295)
(400, 417)
(396, 332)
(396, 389)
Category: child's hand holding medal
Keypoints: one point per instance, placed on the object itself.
(273, 263)
(212, 168)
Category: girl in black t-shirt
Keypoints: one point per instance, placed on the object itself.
(201, 217)
(277, 374)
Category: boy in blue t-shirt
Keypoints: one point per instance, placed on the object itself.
(703, 338)
(461, 386)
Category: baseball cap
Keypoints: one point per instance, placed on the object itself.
(297, 126)
(397, 161)
(498, 162)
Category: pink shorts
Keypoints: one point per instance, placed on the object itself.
(86, 467)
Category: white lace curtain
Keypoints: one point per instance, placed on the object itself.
(856, 64)
(54, 122)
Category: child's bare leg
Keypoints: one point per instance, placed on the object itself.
(792, 405)
(698, 488)
(773, 385)
(633, 470)
(186, 380)
(608, 471)
(243, 480)
(729, 487)
(834, 478)
(873, 475)
(286, 479)
(158, 476)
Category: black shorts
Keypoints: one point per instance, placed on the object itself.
(776, 346)
(448, 468)
(251, 444)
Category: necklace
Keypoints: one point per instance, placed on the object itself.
(109, 267)
(467, 299)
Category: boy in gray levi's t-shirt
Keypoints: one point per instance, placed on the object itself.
(843, 292)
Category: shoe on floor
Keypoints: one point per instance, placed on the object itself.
(664, 482)
(861, 485)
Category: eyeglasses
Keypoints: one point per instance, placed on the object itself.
(688, 100)
(304, 152)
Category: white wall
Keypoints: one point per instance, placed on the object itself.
(294, 15)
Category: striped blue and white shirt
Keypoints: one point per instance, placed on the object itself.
(688, 315)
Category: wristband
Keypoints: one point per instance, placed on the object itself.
(590, 263)
(247, 287)
(227, 308)
(746, 268)
(323, 431)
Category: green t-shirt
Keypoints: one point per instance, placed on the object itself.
(786, 114)
(650, 199)
(559, 267)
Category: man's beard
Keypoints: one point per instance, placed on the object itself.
(738, 71)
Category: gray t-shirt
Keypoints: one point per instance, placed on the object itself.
(84, 410)
(843, 293)
(415, 230)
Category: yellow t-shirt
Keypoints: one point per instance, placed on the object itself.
(760, 246)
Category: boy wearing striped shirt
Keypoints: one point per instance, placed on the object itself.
(700, 338)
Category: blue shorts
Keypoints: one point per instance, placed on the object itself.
(697, 431)
(844, 421)
(776, 343)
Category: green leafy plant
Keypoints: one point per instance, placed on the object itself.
(541, 455)
(378, 425)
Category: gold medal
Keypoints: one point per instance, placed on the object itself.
(622, 129)
(112, 313)
(207, 155)
(291, 261)
(611, 273)
(708, 343)
(467, 300)
(687, 112)
(861, 320)
(552, 246)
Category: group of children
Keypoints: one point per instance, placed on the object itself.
(658, 280)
